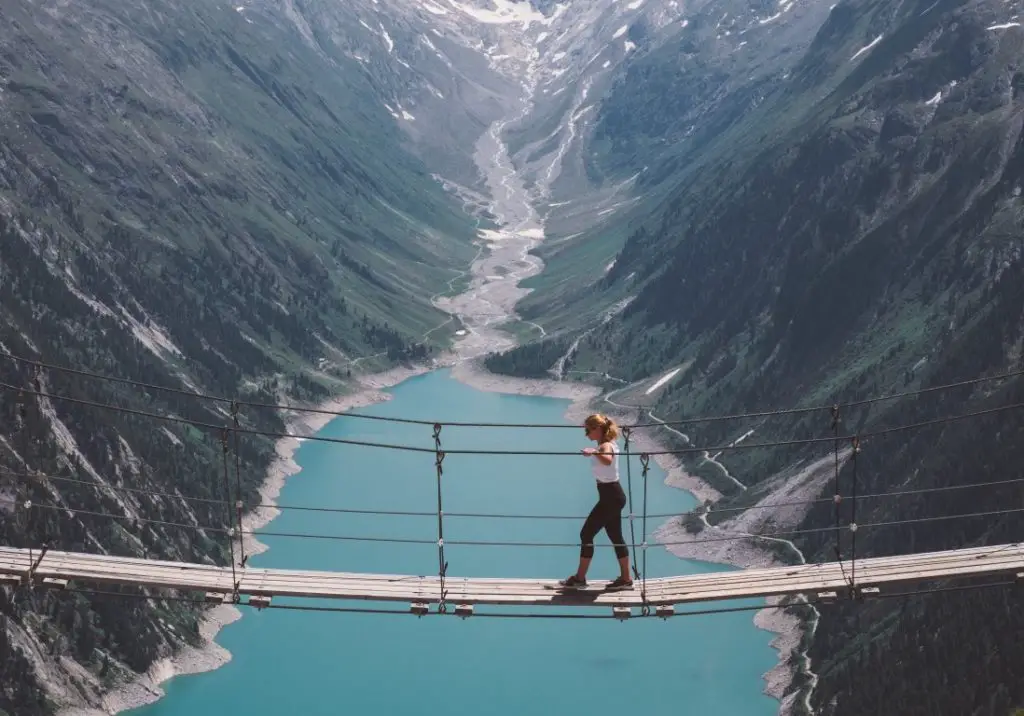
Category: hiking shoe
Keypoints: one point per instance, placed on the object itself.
(620, 583)
(572, 581)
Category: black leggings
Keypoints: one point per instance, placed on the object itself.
(607, 515)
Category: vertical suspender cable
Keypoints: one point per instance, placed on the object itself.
(442, 565)
(853, 516)
(645, 461)
(227, 503)
(238, 487)
(629, 488)
(837, 498)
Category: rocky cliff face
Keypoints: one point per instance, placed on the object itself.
(256, 200)
(789, 202)
(203, 197)
(838, 220)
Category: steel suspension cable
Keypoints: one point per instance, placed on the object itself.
(536, 615)
(629, 487)
(837, 496)
(413, 448)
(676, 423)
(645, 462)
(509, 543)
(238, 486)
(442, 567)
(493, 515)
(227, 502)
(853, 517)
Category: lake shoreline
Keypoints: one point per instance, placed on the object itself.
(188, 660)
(787, 628)
(209, 655)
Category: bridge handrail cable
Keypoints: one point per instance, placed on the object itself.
(40, 365)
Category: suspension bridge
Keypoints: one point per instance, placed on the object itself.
(823, 582)
(853, 577)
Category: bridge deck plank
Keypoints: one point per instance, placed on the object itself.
(880, 572)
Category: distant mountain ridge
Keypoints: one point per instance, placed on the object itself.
(792, 203)
(836, 221)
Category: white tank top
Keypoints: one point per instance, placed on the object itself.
(607, 473)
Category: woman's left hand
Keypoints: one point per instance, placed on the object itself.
(588, 451)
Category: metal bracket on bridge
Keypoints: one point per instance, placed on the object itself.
(861, 593)
(665, 611)
(622, 613)
(10, 579)
(857, 593)
(464, 610)
(32, 569)
(419, 608)
(260, 601)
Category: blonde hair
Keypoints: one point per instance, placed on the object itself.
(608, 426)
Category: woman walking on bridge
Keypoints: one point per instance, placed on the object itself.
(607, 513)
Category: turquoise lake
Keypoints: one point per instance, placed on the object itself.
(313, 664)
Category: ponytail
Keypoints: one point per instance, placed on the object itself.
(611, 430)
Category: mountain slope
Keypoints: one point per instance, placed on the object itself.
(202, 197)
(660, 123)
(790, 202)
(843, 226)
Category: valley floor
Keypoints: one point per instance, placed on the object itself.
(489, 301)
(146, 688)
(741, 553)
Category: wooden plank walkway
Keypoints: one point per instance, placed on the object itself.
(817, 581)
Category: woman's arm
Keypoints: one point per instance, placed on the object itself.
(604, 454)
